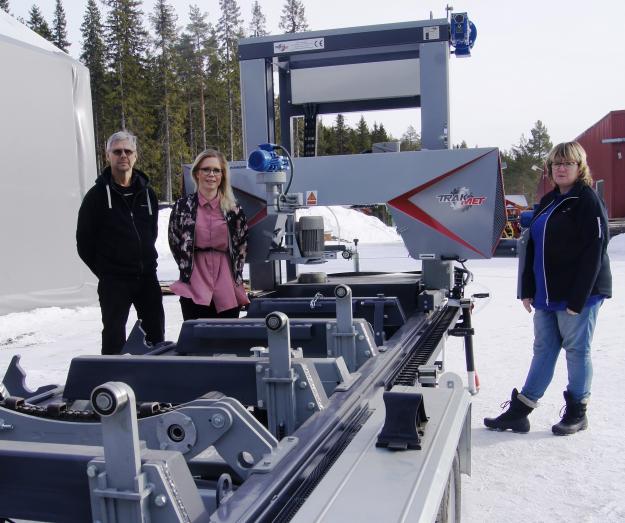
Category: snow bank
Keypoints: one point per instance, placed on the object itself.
(347, 224)
(167, 268)
(341, 222)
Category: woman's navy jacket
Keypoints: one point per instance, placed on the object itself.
(576, 263)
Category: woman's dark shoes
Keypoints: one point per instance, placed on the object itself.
(574, 418)
(514, 419)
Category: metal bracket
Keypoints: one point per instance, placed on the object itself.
(291, 391)
(405, 417)
(428, 375)
(136, 344)
(14, 381)
(121, 484)
(461, 332)
(131, 483)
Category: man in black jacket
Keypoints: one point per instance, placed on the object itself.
(116, 233)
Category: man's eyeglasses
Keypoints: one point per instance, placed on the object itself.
(568, 165)
(215, 171)
(119, 152)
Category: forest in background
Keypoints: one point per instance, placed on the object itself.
(177, 88)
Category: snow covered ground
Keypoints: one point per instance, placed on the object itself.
(538, 476)
(516, 478)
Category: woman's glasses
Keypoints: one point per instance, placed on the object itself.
(207, 171)
(568, 165)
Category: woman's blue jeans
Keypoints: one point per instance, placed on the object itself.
(554, 330)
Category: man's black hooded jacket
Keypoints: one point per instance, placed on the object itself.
(118, 226)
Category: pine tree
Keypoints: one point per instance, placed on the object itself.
(199, 45)
(38, 23)
(4, 4)
(524, 162)
(362, 137)
(341, 131)
(229, 30)
(293, 18)
(539, 145)
(59, 28)
(168, 91)
(126, 46)
(378, 134)
(130, 92)
(411, 140)
(324, 139)
(185, 76)
(93, 57)
(259, 21)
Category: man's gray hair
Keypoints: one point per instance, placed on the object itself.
(120, 136)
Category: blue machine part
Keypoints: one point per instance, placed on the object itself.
(265, 159)
(463, 34)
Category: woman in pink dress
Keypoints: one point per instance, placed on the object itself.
(208, 238)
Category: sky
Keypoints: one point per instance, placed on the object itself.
(558, 61)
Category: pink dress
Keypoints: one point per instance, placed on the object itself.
(211, 279)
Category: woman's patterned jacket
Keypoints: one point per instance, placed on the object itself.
(182, 236)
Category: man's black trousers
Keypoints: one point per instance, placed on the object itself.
(116, 297)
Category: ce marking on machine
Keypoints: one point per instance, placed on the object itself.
(308, 44)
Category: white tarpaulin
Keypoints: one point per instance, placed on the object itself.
(48, 163)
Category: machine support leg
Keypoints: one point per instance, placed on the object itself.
(468, 345)
(121, 490)
(345, 334)
(356, 256)
(280, 378)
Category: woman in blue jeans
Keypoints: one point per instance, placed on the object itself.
(565, 279)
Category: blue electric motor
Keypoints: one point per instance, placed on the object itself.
(265, 159)
(463, 34)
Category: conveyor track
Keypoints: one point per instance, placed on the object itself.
(316, 471)
(408, 371)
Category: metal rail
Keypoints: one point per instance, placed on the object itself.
(408, 372)
(271, 492)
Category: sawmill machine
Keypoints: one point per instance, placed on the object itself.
(329, 401)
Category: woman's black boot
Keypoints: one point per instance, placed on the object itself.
(515, 418)
(574, 418)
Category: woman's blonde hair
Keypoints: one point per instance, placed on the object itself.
(227, 200)
(570, 152)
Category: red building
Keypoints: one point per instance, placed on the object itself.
(604, 143)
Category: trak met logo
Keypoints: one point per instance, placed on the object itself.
(461, 199)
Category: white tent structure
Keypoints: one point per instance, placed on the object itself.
(48, 163)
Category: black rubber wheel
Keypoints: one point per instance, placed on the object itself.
(450, 507)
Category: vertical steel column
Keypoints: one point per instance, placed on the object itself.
(257, 110)
(258, 118)
(284, 77)
(434, 74)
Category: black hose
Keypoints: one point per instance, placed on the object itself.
(288, 185)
